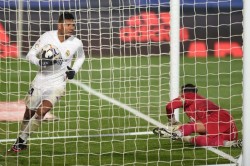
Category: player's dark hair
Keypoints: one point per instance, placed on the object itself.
(65, 16)
(189, 88)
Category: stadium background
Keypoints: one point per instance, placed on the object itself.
(208, 31)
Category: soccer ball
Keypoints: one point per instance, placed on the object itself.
(50, 51)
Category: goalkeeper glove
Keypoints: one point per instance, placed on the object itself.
(47, 62)
(70, 73)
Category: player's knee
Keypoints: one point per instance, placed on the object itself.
(46, 104)
(44, 108)
(41, 113)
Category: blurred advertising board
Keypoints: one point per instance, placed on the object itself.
(130, 30)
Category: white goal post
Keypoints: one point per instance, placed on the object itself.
(175, 52)
(246, 84)
(138, 55)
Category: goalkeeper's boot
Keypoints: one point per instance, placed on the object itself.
(238, 144)
(19, 145)
(162, 132)
(235, 144)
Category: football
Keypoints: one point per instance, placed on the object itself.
(50, 51)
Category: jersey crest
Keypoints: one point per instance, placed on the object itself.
(67, 53)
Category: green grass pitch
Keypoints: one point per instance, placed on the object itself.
(140, 82)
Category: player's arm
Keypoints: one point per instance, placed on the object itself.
(171, 106)
(80, 57)
(33, 52)
(36, 50)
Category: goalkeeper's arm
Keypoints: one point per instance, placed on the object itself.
(170, 107)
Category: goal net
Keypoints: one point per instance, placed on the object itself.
(109, 110)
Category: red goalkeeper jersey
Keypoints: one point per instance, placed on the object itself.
(195, 106)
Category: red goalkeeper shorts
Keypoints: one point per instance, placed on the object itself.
(220, 123)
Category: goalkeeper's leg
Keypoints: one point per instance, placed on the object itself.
(212, 140)
(178, 131)
(206, 140)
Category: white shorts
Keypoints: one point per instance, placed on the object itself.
(35, 96)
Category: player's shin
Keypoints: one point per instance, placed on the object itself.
(32, 126)
(24, 124)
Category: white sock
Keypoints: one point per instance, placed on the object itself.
(24, 125)
(31, 127)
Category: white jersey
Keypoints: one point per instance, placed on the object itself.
(55, 75)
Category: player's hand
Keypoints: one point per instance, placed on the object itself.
(47, 62)
(70, 73)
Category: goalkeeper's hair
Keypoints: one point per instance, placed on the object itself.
(189, 88)
(65, 16)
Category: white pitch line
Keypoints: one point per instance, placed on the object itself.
(118, 103)
(223, 154)
(84, 136)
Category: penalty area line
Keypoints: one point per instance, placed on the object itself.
(141, 115)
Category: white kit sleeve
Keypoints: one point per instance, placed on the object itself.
(80, 57)
(34, 51)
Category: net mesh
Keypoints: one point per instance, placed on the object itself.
(100, 120)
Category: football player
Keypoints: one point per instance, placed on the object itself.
(214, 125)
(50, 81)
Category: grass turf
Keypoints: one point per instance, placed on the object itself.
(142, 83)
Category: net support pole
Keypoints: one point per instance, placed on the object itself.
(246, 83)
(20, 27)
(174, 50)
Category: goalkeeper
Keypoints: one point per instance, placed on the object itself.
(215, 126)
(50, 82)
